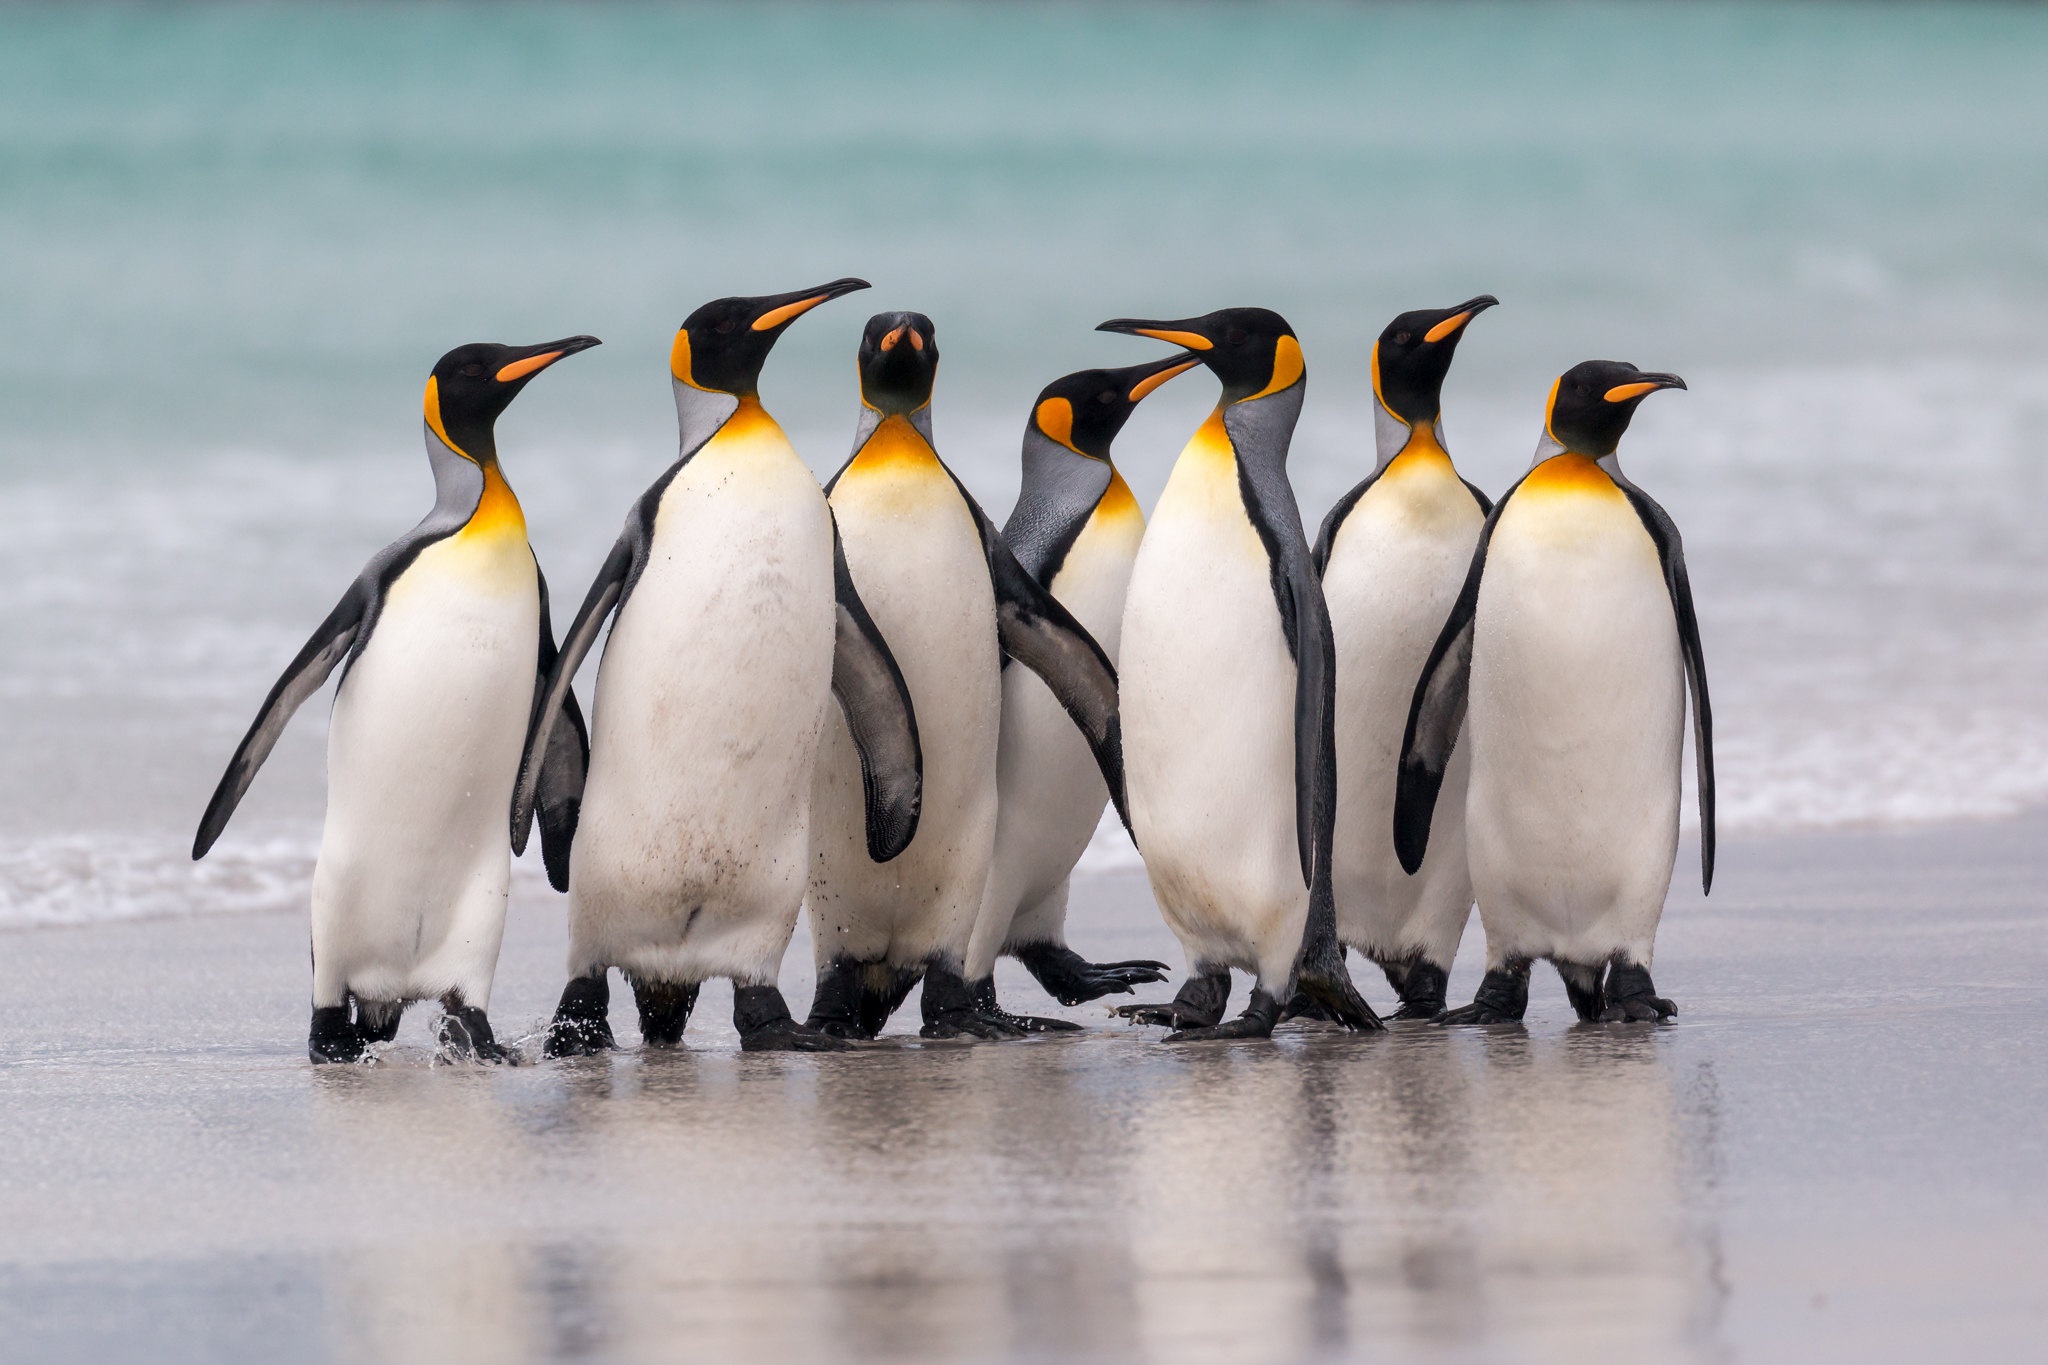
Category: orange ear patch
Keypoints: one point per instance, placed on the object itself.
(1055, 417)
(1288, 367)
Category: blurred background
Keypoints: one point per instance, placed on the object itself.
(234, 239)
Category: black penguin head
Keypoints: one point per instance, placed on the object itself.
(1413, 355)
(1085, 410)
(1251, 351)
(472, 384)
(722, 346)
(899, 357)
(1592, 402)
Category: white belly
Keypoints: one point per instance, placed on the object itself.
(422, 753)
(691, 848)
(1050, 791)
(917, 561)
(1575, 723)
(1208, 716)
(1394, 572)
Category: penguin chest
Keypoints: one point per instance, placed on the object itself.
(427, 728)
(716, 677)
(1395, 569)
(1577, 702)
(1207, 693)
(1095, 576)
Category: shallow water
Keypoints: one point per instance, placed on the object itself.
(1835, 1152)
(233, 239)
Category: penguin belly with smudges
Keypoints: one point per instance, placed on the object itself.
(1566, 661)
(1228, 700)
(734, 626)
(952, 601)
(444, 642)
(1392, 555)
(1076, 530)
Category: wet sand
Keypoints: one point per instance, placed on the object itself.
(1837, 1151)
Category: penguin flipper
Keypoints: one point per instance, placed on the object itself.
(565, 762)
(551, 769)
(1035, 630)
(1333, 521)
(1671, 554)
(1436, 715)
(876, 702)
(330, 643)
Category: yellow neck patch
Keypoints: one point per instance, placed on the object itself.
(1422, 451)
(749, 421)
(1288, 367)
(1568, 475)
(497, 512)
(1117, 501)
(894, 446)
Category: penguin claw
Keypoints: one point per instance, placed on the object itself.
(1476, 1013)
(1639, 1009)
(1424, 1010)
(1257, 1021)
(1169, 1014)
(970, 1024)
(1073, 980)
(786, 1035)
(1502, 998)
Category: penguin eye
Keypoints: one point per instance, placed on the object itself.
(1236, 336)
(722, 326)
(1107, 396)
(472, 370)
(1403, 338)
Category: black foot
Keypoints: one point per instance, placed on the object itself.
(1582, 988)
(1256, 1022)
(1073, 980)
(466, 1036)
(1422, 986)
(1633, 999)
(985, 1001)
(762, 1017)
(1302, 1007)
(664, 1009)
(855, 999)
(950, 1010)
(377, 1020)
(581, 1026)
(1198, 1004)
(333, 1037)
(1502, 998)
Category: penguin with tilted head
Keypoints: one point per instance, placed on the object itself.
(734, 626)
(1229, 700)
(1565, 663)
(444, 643)
(1075, 529)
(952, 600)
(1392, 555)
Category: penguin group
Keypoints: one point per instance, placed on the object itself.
(867, 704)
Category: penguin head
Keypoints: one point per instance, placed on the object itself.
(1413, 355)
(899, 357)
(472, 384)
(1592, 402)
(721, 347)
(1251, 351)
(1085, 410)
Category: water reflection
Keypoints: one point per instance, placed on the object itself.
(1103, 1197)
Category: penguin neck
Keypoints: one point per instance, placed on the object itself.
(460, 481)
(1260, 430)
(497, 511)
(1421, 444)
(700, 413)
(881, 438)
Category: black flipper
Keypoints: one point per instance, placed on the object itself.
(1333, 522)
(876, 703)
(1437, 712)
(330, 643)
(564, 764)
(1671, 554)
(1036, 631)
(537, 785)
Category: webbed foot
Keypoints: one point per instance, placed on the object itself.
(1257, 1021)
(952, 1011)
(1422, 986)
(1073, 980)
(1198, 1004)
(581, 1026)
(333, 1037)
(985, 1002)
(762, 1017)
(1632, 998)
(1502, 998)
(465, 1035)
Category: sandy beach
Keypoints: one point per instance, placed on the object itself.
(1834, 1152)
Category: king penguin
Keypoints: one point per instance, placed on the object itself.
(444, 643)
(1392, 555)
(952, 600)
(734, 626)
(1229, 698)
(1075, 529)
(1566, 660)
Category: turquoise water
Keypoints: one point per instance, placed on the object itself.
(233, 239)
